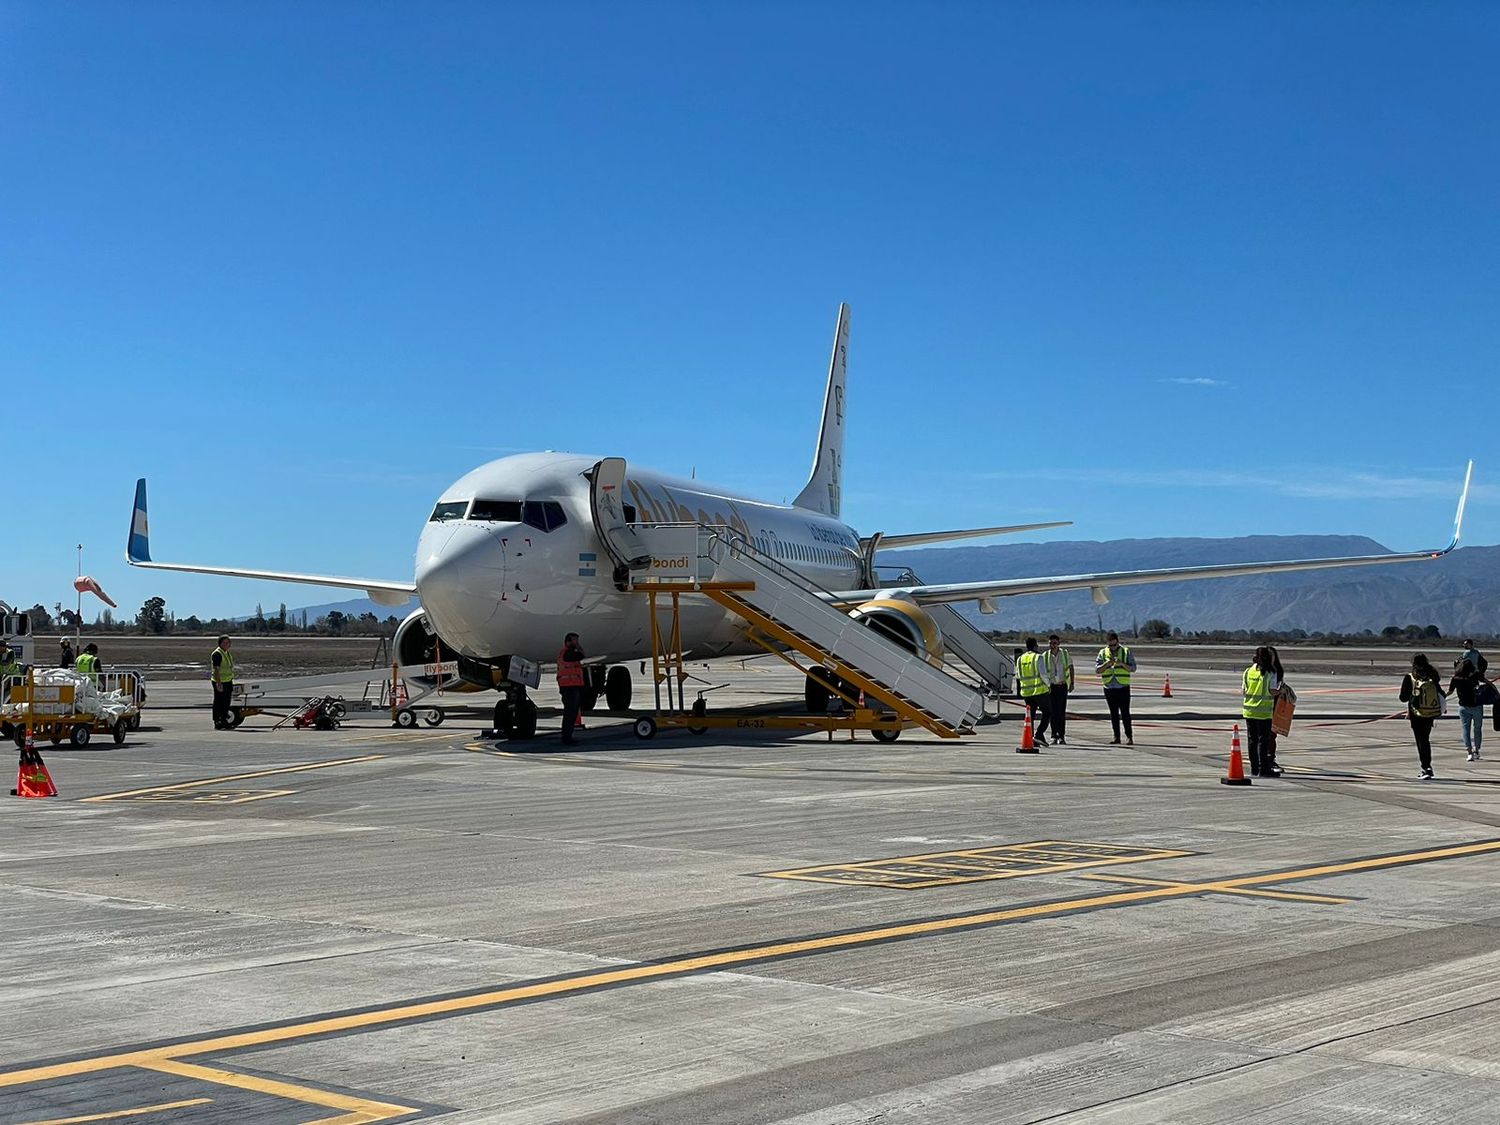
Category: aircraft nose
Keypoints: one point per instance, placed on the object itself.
(460, 575)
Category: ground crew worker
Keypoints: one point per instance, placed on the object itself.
(1260, 684)
(1034, 690)
(570, 681)
(1114, 664)
(9, 666)
(221, 674)
(88, 663)
(1057, 666)
(65, 660)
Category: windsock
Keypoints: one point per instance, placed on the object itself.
(86, 585)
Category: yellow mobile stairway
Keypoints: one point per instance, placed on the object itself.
(789, 610)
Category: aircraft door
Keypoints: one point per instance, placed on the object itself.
(607, 500)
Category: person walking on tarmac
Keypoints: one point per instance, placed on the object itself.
(1422, 692)
(1114, 664)
(221, 673)
(570, 681)
(1260, 684)
(1475, 657)
(1466, 681)
(1033, 684)
(1057, 667)
(88, 663)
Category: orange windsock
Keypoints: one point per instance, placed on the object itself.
(86, 585)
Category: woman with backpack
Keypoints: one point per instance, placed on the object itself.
(1422, 692)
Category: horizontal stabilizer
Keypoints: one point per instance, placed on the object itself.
(138, 553)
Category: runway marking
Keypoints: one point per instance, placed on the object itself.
(356, 1111)
(1292, 896)
(692, 964)
(215, 796)
(233, 777)
(162, 1108)
(972, 865)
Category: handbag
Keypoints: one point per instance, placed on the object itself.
(1486, 694)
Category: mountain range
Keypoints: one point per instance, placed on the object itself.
(1459, 593)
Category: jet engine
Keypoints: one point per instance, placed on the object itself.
(416, 643)
(899, 618)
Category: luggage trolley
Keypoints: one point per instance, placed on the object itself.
(51, 711)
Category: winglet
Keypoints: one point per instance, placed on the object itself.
(1458, 518)
(138, 545)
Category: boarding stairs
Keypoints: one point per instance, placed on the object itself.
(790, 610)
(963, 643)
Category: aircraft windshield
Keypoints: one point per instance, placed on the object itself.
(448, 510)
(501, 511)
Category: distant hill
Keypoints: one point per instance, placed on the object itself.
(352, 608)
(1459, 593)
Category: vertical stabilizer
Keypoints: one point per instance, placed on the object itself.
(824, 489)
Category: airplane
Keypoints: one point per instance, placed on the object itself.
(525, 549)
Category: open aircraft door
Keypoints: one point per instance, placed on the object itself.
(624, 545)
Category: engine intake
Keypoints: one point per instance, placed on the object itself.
(898, 618)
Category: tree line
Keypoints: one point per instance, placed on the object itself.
(155, 619)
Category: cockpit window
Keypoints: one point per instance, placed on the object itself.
(500, 511)
(448, 510)
(544, 515)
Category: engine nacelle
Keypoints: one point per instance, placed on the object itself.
(898, 618)
(416, 643)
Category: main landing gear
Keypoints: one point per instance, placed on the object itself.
(617, 689)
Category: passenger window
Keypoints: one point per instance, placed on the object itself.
(544, 515)
(448, 510)
(500, 511)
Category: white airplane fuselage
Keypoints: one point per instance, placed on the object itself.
(496, 581)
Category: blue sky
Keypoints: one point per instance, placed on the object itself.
(1163, 269)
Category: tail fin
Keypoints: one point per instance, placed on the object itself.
(824, 489)
(138, 545)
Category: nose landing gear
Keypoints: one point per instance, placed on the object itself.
(515, 716)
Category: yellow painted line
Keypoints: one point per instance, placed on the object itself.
(1332, 900)
(163, 1107)
(711, 962)
(355, 1109)
(236, 777)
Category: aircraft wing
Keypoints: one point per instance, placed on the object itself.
(1101, 583)
(890, 542)
(138, 553)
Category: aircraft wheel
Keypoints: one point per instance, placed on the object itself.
(434, 716)
(815, 692)
(617, 690)
(525, 721)
(406, 717)
(121, 729)
(80, 735)
(886, 735)
(645, 728)
(504, 719)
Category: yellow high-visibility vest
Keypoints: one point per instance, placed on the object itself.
(1260, 702)
(1114, 670)
(1029, 672)
(224, 673)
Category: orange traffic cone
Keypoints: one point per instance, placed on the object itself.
(1166, 688)
(1028, 740)
(1236, 774)
(32, 778)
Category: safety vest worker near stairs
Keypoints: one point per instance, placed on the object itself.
(1114, 664)
(1035, 690)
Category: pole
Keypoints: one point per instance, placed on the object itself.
(78, 621)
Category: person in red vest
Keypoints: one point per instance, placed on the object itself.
(570, 682)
